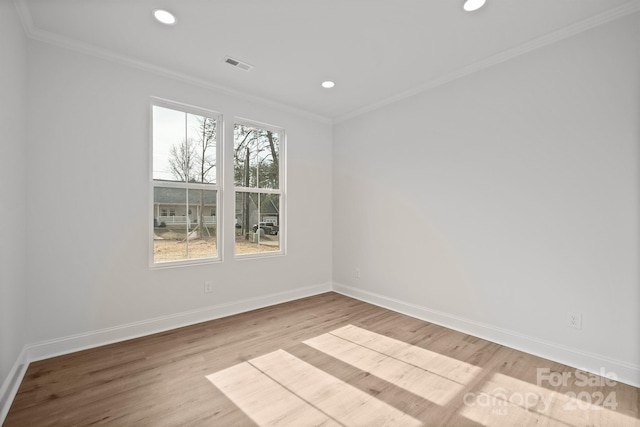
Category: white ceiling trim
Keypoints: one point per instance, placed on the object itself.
(628, 8)
(553, 37)
(25, 16)
(92, 50)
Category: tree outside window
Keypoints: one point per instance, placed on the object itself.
(184, 180)
(257, 179)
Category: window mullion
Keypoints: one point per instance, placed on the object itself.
(186, 163)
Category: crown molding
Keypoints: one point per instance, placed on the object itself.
(25, 16)
(105, 54)
(626, 9)
(621, 11)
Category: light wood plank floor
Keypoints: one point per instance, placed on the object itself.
(327, 360)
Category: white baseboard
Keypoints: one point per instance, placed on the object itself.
(11, 383)
(69, 344)
(625, 372)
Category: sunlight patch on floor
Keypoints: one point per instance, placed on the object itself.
(448, 367)
(503, 400)
(385, 365)
(280, 389)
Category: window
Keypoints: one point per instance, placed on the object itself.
(185, 184)
(258, 166)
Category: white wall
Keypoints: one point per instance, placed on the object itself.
(88, 153)
(505, 199)
(13, 198)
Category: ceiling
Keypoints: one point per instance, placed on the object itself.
(376, 51)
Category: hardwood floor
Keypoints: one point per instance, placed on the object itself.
(325, 360)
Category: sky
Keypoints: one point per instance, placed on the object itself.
(170, 127)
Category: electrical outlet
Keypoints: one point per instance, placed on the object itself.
(356, 273)
(574, 320)
(208, 286)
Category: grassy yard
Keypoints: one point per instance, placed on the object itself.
(170, 245)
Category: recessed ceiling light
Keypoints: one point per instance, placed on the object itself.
(328, 84)
(164, 16)
(471, 5)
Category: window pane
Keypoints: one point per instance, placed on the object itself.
(168, 131)
(245, 156)
(257, 223)
(188, 232)
(269, 171)
(256, 157)
(184, 146)
(201, 135)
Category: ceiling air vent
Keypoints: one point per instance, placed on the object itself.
(238, 64)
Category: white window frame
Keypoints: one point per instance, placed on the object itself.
(217, 187)
(282, 191)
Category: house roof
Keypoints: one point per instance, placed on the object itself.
(177, 196)
(268, 204)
